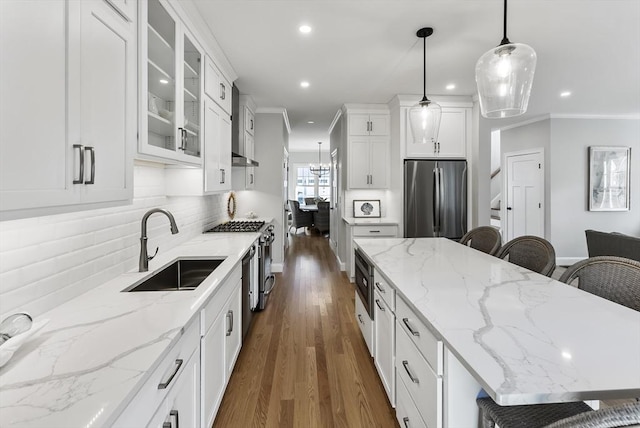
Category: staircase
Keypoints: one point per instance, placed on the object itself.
(496, 196)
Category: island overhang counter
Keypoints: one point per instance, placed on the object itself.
(525, 338)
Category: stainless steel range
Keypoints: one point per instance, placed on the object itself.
(265, 279)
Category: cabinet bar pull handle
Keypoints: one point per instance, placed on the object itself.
(405, 363)
(221, 176)
(382, 290)
(92, 151)
(374, 231)
(164, 385)
(223, 93)
(175, 413)
(379, 305)
(80, 180)
(230, 319)
(360, 319)
(411, 330)
(405, 421)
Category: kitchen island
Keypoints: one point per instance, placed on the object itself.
(523, 337)
(99, 349)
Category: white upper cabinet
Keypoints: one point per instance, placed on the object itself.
(369, 145)
(68, 129)
(217, 164)
(368, 124)
(455, 131)
(171, 89)
(217, 86)
(127, 8)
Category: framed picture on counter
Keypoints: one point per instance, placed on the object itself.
(366, 208)
(609, 178)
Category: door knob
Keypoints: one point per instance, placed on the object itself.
(508, 208)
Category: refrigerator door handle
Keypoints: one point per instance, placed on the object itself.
(436, 200)
(463, 198)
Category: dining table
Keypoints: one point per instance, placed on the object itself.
(309, 208)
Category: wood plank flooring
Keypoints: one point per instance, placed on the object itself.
(304, 362)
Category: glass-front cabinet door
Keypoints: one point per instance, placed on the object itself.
(173, 71)
(192, 78)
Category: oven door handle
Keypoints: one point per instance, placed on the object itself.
(273, 284)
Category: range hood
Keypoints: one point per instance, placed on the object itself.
(238, 157)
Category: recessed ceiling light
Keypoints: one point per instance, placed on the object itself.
(164, 81)
(565, 94)
(450, 86)
(304, 84)
(305, 29)
(310, 122)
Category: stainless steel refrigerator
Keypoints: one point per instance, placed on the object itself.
(435, 198)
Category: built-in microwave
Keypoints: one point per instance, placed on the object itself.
(364, 281)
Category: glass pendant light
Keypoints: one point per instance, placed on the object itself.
(425, 116)
(504, 76)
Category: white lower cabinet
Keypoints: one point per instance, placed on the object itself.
(423, 384)
(407, 413)
(365, 323)
(186, 388)
(182, 405)
(173, 384)
(384, 345)
(221, 324)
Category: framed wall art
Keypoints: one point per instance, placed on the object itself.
(609, 169)
(366, 208)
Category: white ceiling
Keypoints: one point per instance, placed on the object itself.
(366, 51)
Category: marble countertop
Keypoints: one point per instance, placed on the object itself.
(382, 221)
(98, 349)
(525, 337)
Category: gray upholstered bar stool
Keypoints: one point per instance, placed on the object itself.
(483, 238)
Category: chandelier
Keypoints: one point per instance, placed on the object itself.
(320, 169)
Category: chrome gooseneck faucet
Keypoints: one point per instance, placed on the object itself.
(144, 256)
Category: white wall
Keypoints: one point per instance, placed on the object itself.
(566, 143)
(570, 217)
(45, 261)
(271, 137)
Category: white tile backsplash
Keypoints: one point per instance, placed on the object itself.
(45, 261)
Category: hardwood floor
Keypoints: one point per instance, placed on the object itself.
(304, 362)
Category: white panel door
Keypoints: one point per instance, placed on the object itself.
(525, 195)
(234, 328)
(384, 345)
(358, 124)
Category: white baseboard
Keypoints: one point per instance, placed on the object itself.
(568, 261)
(276, 267)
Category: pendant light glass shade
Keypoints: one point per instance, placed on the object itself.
(425, 121)
(504, 76)
(424, 117)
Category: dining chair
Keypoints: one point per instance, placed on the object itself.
(309, 201)
(321, 217)
(299, 218)
(483, 238)
(613, 278)
(531, 252)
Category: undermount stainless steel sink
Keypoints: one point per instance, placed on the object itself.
(181, 275)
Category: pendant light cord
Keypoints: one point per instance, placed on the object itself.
(505, 40)
(424, 70)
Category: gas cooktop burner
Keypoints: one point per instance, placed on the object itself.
(238, 226)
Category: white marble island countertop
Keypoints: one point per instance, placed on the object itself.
(98, 349)
(525, 337)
